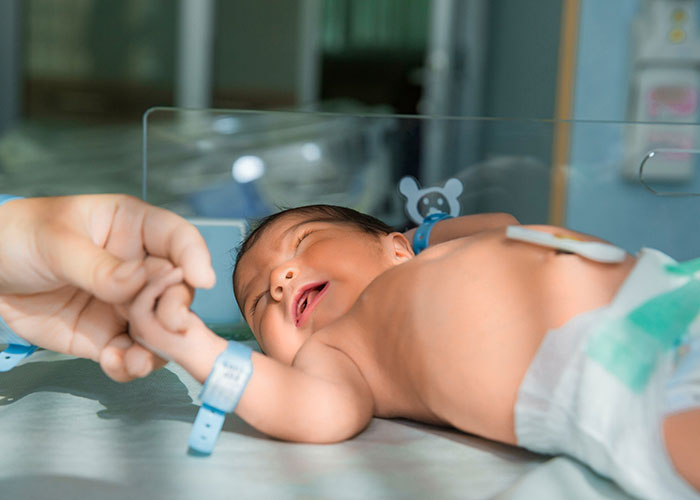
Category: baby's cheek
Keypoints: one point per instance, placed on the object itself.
(336, 306)
(271, 341)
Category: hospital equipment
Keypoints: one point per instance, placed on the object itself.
(428, 206)
(67, 429)
(664, 85)
(671, 152)
(593, 250)
(424, 202)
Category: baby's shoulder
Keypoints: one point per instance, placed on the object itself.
(312, 349)
(322, 356)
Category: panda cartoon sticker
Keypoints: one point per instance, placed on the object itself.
(420, 203)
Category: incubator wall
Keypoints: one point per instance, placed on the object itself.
(246, 164)
(235, 166)
(223, 168)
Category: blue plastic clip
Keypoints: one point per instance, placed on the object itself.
(10, 357)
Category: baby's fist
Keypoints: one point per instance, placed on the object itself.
(159, 312)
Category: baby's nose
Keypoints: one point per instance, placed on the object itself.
(280, 283)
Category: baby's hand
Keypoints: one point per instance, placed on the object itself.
(160, 319)
(159, 314)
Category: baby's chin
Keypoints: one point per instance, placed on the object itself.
(286, 354)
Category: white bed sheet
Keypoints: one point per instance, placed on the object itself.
(68, 432)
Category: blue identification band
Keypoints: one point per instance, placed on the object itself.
(10, 357)
(17, 347)
(221, 392)
(4, 198)
(422, 234)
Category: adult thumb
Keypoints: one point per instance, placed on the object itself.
(79, 262)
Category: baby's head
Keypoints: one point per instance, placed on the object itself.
(303, 268)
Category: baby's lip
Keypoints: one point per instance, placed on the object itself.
(306, 300)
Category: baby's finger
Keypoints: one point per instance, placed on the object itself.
(143, 323)
(173, 307)
(140, 362)
(144, 304)
(155, 267)
(112, 358)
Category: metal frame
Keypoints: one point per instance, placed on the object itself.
(10, 69)
(455, 60)
(309, 71)
(193, 84)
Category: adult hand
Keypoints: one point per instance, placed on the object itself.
(67, 263)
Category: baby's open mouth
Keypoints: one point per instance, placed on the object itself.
(306, 301)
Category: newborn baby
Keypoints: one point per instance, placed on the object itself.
(488, 335)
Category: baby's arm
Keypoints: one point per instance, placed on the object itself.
(321, 398)
(465, 225)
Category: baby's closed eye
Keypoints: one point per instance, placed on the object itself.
(256, 301)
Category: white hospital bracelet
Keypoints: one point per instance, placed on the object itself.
(221, 392)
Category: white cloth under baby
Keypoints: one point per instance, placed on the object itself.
(570, 403)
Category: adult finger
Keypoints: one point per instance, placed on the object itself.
(166, 234)
(140, 362)
(77, 260)
(112, 358)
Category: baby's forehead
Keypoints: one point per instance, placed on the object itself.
(270, 234)
(269, 237)
(267, 243)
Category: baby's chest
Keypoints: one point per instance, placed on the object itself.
(447, 376)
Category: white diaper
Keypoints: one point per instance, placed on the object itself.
(607, 411)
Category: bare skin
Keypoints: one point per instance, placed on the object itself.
(682, 437)
(356, 326)
(67, 263)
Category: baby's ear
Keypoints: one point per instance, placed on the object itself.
(401, 247)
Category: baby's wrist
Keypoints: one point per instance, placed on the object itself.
(222, 390)
(199, 350)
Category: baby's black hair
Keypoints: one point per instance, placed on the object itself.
(314, 213)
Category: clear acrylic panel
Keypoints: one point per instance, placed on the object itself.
(581, 174)
(63, 158)
(616, 180)
(239, 164)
